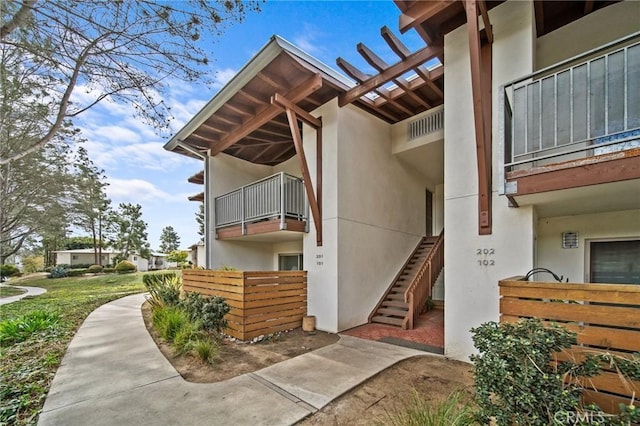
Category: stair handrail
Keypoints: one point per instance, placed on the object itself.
(436, 253)
(393, 281)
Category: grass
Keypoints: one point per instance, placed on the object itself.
(7, 291)
(455, 410)
(186, 336)
(27, 367)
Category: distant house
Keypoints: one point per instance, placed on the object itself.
(86, 257)
(158, 261)
(197, 254)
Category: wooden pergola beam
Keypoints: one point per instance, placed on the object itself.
(420, 11)
(379, 64)
(403, 52)
(295, 95)
(359, 76)
(482, 5)
(306, 176)
(412, 61)
(482, 115)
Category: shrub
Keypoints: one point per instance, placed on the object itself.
(163, 287)
(32, 264)
(94, 269)
(208, 310)
(205, 349)
(125, 267)
(9, 270)
(18, 330)
(108, 270)
(516, 381)
(455, 410)
(57, 272)
(76, 272)
(168, 320)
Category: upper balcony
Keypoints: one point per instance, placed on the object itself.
(574, 125)
(272, 209)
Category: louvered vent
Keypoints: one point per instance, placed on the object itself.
(425, 125)
(569, 240)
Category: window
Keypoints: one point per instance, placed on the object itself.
(614, 262)
(290, 262)
(74, 256)
(135, 258)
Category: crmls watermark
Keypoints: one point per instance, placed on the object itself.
(580, 418)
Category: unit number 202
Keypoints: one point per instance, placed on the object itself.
(485, 251)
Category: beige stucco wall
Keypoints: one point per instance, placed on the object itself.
(373, 216)
(321, 263)
(572, 263)
(226, 173)
(471, 296)
(381, 213)
(594, 30)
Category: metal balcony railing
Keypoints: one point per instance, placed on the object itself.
(587, 105)
(279, 196)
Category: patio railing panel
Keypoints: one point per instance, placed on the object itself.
(586, 106)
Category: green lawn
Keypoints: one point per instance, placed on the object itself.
(27, 368)
(6, 291)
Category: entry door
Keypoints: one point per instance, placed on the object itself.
(429, 208)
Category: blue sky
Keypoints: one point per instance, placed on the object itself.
(140, 171)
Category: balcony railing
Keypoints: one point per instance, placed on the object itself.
(586, 106)
(280, 196)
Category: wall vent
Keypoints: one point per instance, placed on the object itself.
(569, 240)
(424, 125)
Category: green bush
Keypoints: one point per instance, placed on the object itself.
(455, 410)
(19, 329)
(164, 288)
(57, 272)
(76, 272)
(125, 267)
(205, 349)
(94, 269)
(169, 320)
(515, 379)
(208, 310)
(9, 270)
(108, 270)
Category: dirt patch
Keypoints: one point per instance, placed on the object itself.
(236, 358)
(434, 378)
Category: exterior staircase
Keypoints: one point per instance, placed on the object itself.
(407, 295)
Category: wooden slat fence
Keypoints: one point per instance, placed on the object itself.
(606, 318)
(261, 302)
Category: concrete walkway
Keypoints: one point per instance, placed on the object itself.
(30, 291)
(114, 374)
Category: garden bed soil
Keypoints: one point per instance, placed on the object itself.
(433, 377)
(235, 358)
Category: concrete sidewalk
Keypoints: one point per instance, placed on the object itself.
(29, 291)
(114, 374)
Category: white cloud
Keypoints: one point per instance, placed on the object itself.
(141, 156)
(223, 76)
(309, 40)
(139, 190)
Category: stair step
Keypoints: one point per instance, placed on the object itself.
(395, 296)
(393, 312)
(395, 304)
(387, 320)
